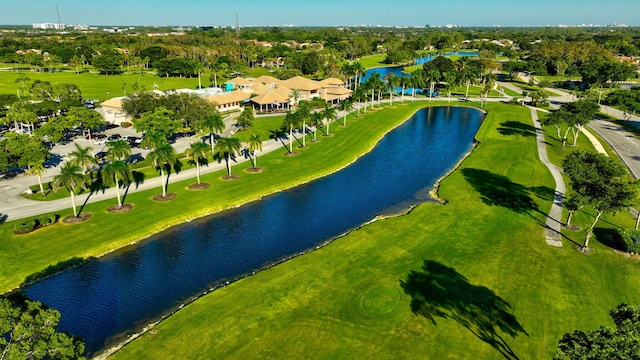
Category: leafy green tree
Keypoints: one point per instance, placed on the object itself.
(108, 63)
(137, 104)
(163, 157)
(246, 117)
(28, 330)
(255, 144)
(197, 151)
(213, 123)
(19, 113)
(159, 121)
(118, 171)
(605, 343)
(69, 178)
(38, 169)
(599, 183)
(86, 118)
(226, 148)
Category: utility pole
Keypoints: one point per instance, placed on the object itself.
(237, 25)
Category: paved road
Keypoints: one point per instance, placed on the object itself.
(625, 144)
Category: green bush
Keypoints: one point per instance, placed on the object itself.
(46, 220)
(630, 240)
(25, 226)
(126, 124)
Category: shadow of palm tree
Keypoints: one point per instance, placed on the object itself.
(516, 128)
(439, 291)
(3, 218)
(138, 177)
(499, 190)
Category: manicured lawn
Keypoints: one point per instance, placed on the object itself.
(372, 61)
(101, 87)
(265, 126)
(486, 247)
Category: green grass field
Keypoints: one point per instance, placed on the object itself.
(100, 87)
(485, 248)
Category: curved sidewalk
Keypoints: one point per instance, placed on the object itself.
(553, 223)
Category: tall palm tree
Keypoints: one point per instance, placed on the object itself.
(348, 72)
(451, 80)
(38, 168)
(358, 70)
(197, 150)
(433, 76)
(291, 120)
(417, 81)
(227, 147)
(316, 122)
(304, 113)
(213, 123)
(255, 144)
(69, 178)
(118, 170)
(163, 157)
(118, 150)
(347, 107)
(152, 139)
(83, 157)
(329, 113)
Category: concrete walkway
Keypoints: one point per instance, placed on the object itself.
(553, 223)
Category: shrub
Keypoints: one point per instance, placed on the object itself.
(25, 226)
(126, 124)
(46, 220)
(630, 240)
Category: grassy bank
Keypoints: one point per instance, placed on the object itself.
(24, 257)
(486, 247)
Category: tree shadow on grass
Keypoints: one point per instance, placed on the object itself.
(439, 291)
(500, 191)
(54, 269)
(516, 128)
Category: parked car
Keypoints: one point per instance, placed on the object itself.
(134, 158)
(114, 137)
(100, 142)
(101, 155)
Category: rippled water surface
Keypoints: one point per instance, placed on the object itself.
(108, 298)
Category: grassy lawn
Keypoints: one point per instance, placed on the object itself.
(486, 247)
(372, 61)
(101, 87)
(264, 126)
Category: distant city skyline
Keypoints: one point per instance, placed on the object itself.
(323, 13)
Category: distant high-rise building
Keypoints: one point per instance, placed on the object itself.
(49, 26)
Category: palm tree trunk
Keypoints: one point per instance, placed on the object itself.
(40, 183)
(255, 159)
(328, 124)
(228, 157)
(344, 120)
(164, 187)
(73, 203)
(211, 140)
(590, 232)
(304, 134)
(198, 171)
(290, 138)
(466, 94)
(402, 95)
(637, 221)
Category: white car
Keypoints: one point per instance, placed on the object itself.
(100, 142)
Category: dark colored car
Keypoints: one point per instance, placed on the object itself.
(114, 137)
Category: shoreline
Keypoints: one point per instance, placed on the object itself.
(128, 338)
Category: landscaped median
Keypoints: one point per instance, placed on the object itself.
(477, 272)
(28, 256)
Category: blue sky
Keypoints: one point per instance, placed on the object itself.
(323, 12)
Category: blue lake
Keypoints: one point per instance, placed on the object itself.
(108, 298)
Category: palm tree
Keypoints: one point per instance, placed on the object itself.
(163, 157)
(329, 113)
(296, 96)
(83, 157)
(152, 140)
(432, 76)
(316, 122)
(118, 150)
(347, 107)
(348, 72)
(69, 178)
(197, 150)
(291, 120)
(255, 144)
(357, 69)
(404, 81)
(417, 81)
(450, 78)
(213, 123)
(38, 168)
(118, 170)
(304, 113)
(227, 147)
